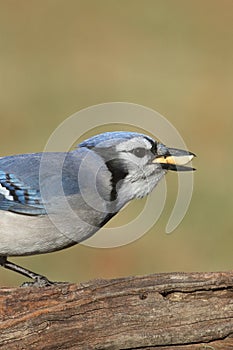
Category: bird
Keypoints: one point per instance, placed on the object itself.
(53, 200)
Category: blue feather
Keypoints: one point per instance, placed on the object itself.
(109, 139)
(21, 198)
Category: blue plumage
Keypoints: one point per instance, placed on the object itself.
(19, 174)
(18, 190)
(50, 201)
(16, 196)
(109, 139)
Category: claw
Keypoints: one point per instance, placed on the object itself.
(39, 282)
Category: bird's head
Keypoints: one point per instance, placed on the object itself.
(136, 161)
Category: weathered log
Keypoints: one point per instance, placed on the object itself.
(163, 311)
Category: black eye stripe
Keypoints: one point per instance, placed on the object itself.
(153, 146)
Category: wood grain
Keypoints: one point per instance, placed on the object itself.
(179, 311)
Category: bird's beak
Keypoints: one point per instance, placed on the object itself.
(175, 159)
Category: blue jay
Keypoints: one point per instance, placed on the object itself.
(51, 201)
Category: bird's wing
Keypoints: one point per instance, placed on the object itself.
(19, 185)
(16, 196)
(31, 184)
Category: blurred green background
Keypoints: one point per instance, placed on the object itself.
(176, 57)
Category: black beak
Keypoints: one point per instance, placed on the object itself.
(175, 159)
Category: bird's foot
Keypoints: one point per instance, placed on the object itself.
(39, 281)
(42, 281)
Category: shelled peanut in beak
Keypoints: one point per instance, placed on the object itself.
(175, 159)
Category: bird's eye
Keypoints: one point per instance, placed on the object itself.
(139, 152)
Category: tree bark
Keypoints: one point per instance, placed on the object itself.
(178, 311)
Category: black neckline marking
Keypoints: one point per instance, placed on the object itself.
(119, 172)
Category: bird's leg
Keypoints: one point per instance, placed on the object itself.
(38, 280)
